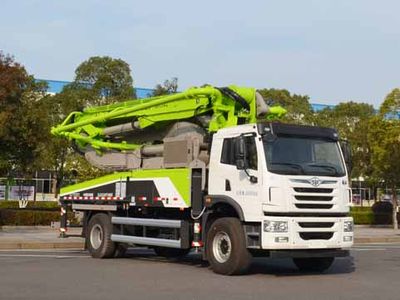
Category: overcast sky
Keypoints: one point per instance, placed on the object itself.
(331, 50)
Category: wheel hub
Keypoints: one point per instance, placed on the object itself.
(96, 236)
(222, 247)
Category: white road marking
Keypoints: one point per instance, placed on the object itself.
(75, 250)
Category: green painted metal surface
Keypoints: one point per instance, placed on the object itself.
(94, 182)
(87, 127)
(180, 178)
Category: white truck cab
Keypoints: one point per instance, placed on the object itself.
(292, 180)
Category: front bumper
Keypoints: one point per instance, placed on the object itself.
(309, 253)
(308, 233)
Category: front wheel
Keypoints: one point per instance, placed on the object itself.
(314, 264)
(226, 247)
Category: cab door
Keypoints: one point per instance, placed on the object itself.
(240, 185)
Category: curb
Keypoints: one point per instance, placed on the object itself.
(373, 226)
(80, 245)
(44, 245)
(376, 240)
(22, 227)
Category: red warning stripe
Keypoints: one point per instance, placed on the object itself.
(92, 198)
(140, 198)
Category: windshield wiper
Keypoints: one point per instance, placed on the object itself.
(326, 167)
(297, 166)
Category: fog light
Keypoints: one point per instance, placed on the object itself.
(347, 239)
(281, 239)
(275, 226)
(348, 226)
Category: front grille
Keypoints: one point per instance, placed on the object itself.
(314, 206)
(314, 198)
(316, 235)
(316, 224)
(313, 190)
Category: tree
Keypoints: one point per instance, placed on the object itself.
(23, 119)
(98, 80)
(298, 106)
(107, 79)
(351, 119)
(168, 87)
(390, 108)
(60, 155)
(384, 135)
(56, 154)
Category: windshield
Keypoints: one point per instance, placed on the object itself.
(303, 156)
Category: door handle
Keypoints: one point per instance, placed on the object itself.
(227, 185)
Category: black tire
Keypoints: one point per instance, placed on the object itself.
(314, 264)
(171, 252)
(226, 247)
(98, 239)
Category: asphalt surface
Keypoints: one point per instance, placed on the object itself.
(373, 272)
(18, 237)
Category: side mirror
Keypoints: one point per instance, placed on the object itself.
(346, 150)
(253, 179)
(240, 153)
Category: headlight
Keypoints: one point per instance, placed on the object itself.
(275, 226)
(348, 226)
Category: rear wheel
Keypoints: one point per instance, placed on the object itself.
(171, 252)
(226, 247)
(98, 238)
(314, 264)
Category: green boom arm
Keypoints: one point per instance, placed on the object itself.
(224, 107)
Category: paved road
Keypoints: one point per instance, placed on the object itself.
(372, 273)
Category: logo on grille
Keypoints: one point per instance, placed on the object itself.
(315, 181)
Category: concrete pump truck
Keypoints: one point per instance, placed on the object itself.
(210, 169)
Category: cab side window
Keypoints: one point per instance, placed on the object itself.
(228, 152)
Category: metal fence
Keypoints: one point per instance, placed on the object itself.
(42, 187)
